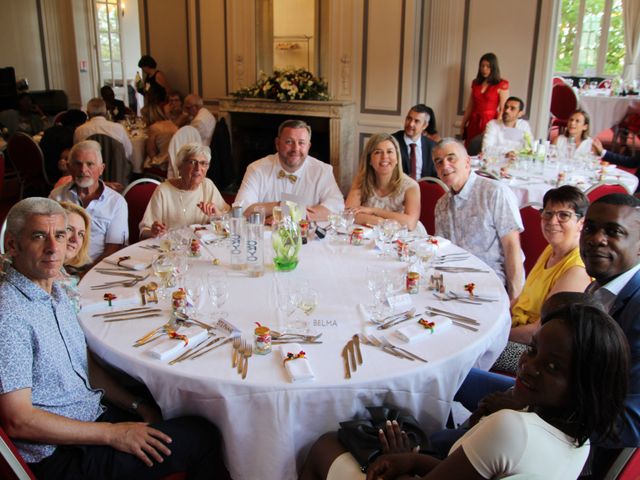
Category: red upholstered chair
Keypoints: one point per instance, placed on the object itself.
(601, 189)
(28, 160)
(606, 83)
(559, 81)
(12, 465)
(431, 189)
(1, 172)
(137, 195)
(626, 466)
(563, 103)
(532, 241)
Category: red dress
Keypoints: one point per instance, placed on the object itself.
(484, 107)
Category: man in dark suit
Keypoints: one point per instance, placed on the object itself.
(415, 124)
(610, 248)
(617, 158)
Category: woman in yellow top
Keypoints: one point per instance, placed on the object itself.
(558, 269)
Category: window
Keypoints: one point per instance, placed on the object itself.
(108, 35)
(590, 38)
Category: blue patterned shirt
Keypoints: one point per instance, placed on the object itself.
(43, 348)
(477, 218)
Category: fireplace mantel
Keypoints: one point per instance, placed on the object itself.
(340, 117)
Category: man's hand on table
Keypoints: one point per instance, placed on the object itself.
(146, 443)
(318, 213)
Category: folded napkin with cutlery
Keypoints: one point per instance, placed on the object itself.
(92, 301)
(415, 331)
(171, 347)
(298, 369)
(127, 262)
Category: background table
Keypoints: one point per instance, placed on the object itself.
(606, 111)
(269, 423)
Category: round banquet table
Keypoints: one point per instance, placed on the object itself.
(138, 154)
(267, 421)
(606, 111)
(530, 187)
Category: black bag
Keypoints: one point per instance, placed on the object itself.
(360, 436)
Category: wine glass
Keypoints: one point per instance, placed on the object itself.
(348, 218)
(163, 268)
(180, 267)
(307, 300)
(285, 301)
(219, 293)
(195, 289)
(377, 282)
(582, 82)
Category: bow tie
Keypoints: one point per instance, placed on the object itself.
(292, 178)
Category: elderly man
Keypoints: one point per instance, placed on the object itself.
(199, 117)
(51, 390)
(98, 123)
(291, 171)
(108, 209)
(415, 146)
(479, 214)
(508, 133)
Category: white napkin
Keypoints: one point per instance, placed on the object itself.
(171, 347)
(415, 331)
(131, 263)
(299, 369)
(92, 301)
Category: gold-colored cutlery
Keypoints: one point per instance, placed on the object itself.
(351, 356)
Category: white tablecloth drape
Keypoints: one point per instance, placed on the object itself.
(606, 111)
(269, 423)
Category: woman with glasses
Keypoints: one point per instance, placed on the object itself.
(558, 269)
(189, 199)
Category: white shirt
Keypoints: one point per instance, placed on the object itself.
(418, 142)
(102, 125)
(315, 184)
(497, 134)
(204, 122)
(583, 149)
(109, 216)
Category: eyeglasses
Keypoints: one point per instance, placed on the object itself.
(198, 163)
(563, 215)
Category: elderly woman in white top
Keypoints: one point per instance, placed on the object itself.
(381, 190)
(189, 199)
(578, 129)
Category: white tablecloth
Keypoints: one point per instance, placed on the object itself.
(605, 112)
(268, 423)
(138, 141)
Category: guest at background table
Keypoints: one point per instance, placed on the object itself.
(291, 171)
(489, 91)
(617, 158)
(479, 215)
(199, 117)
(381, 190)
(76, 258)
(173, 109)
(27, 118)
(115, 107)
(107, 208)
(58, 138)
(415, 146)
(559, 268)
(570, 386)
(98, 123)
(156, 87)
(160, 130)
(52, 388)
(189, 199)
(577, 132)
(508, 134)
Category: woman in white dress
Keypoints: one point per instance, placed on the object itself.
(189, 199)
(578, 129)
(381, 190)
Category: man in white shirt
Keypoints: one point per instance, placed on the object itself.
(509, 133)
(107, 208)
(98, 123)
(200, 117)
(291, 171)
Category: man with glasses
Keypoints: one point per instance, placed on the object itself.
(291, 171)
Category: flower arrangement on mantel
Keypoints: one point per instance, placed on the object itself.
(286, 85)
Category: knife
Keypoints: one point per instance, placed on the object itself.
(128, 310)
(352, 355)
(207, 350)
(131, 318)
(461, 318)
(123, 314)
(356, 342)
(345, 360)
(143, 294)
(384, 326)
(407, 352)
(193, 351)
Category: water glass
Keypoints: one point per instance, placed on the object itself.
(218, 287)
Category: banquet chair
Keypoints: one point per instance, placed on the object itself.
(563, 103)
(626, 466)
(28, 160)
(532, 241)
(606, 83)
(116, 165)
(431, 189)
(623, 137)
(559, 81)
(3, 233)
(137, 196)
(601, 189)
(184, 135)
(2, 163)
(12, 465)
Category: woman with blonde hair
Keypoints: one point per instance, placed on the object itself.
(77, 255)
(160, 131)
(381, 190)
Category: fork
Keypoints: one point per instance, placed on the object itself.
(241, 351)
(234, 355)
(387, 343)
(123, 283)
(448, 298)
(247, 353)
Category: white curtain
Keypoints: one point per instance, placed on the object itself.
(631, 15)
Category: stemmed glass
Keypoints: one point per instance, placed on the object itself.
(387, 231)
(285, 302)
(335, 223)
(181, 265)
(348, 218)
(305, 299)
(163, 268)
(219, 293)
(378, 284)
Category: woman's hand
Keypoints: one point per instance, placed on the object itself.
(209, 208)
(158, 229)
(395, 440)
(364, 210)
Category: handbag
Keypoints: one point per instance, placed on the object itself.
(360, 436)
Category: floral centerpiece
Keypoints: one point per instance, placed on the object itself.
(286, 85)
(286, 240)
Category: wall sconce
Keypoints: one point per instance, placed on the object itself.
(122, 8)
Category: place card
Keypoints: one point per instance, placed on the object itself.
(400, 302)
